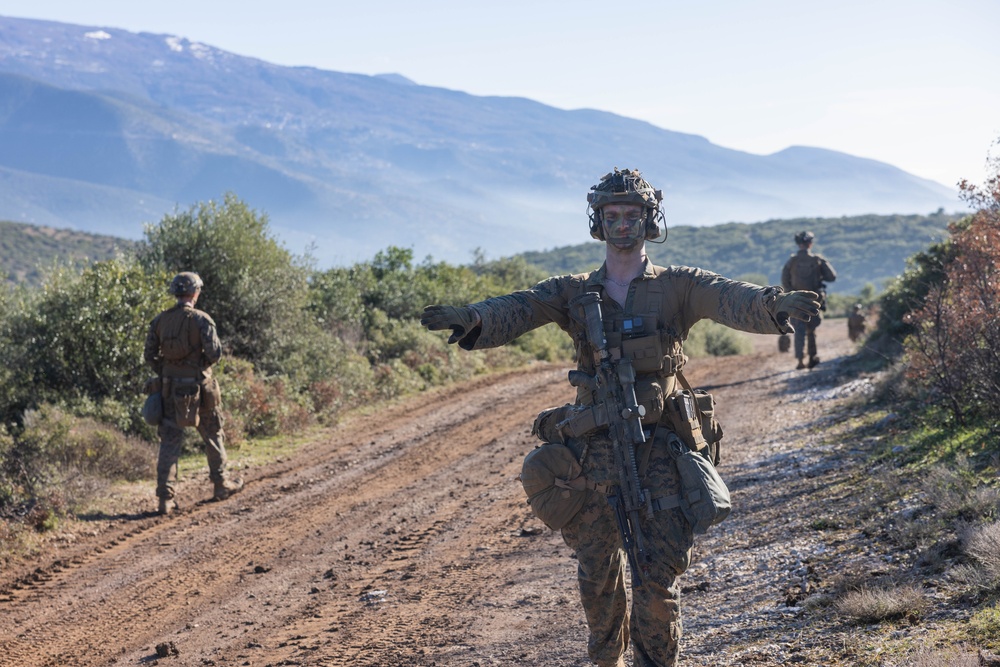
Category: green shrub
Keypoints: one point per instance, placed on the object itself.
(80, 336)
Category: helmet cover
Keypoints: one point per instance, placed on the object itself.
(185, 283)
(625, 186)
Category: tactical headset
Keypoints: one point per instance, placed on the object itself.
(626, 187)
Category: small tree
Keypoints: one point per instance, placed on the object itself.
(255, 290)
(955, 343)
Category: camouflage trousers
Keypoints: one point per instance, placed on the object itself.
(172, 437)
(653, 624)
(805, 335)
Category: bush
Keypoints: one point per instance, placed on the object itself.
(51, 465)
(708, 338)
(954, 344)
(79, 337)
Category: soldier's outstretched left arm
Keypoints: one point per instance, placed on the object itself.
(740, 305)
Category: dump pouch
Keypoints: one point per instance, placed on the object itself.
(187, 401)
(546, 476)
(704, 496)
(152, 409)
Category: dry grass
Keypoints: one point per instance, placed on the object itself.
(874, 605)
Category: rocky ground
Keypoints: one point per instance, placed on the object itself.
(402, 538)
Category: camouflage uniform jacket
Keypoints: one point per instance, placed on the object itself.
(192, 336)
(662, 306)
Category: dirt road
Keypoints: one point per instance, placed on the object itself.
(404, 539)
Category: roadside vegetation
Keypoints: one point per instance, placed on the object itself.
(929, 489)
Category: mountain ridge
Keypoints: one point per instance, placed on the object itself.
(348, 162)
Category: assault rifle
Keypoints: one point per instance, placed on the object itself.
(613, 384)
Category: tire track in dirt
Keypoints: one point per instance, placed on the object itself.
(398, 538)
(220, 569)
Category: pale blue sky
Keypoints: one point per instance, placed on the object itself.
(915, 83)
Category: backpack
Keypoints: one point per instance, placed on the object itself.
(175, 334)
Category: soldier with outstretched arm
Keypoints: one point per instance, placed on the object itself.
(646, 312)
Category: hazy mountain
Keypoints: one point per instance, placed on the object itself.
(103, 129)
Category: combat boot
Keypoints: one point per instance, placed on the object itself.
(620, 663)
(801, 364)
(226, 488)
(166, 506)
(813, 362)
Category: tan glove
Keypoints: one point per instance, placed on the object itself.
(798, 305)
(461, 320)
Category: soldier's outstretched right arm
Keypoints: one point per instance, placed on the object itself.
(499, 320)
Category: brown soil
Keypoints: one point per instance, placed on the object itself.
(404, 539)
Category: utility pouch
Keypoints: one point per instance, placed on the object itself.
(691, 415)
(187, 401)
(649, 395)
(645, 352)
(569, 421)
(704, 497)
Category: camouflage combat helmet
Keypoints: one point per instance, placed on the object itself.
(804, 237)
(185, 283)
(626, 186)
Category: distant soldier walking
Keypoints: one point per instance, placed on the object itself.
(181, 347)
(807, 271)
(856, 323)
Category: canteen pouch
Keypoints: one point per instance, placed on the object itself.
(704, 499)
(187, 401)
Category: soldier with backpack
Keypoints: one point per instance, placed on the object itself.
(181, 347)
(576, 482)
(807, 271)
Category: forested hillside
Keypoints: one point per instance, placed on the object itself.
(863, 249)
(26, 250)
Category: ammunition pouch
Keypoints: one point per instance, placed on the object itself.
(645, 352)
(690, 413)
(186, 395)
(569, 421)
